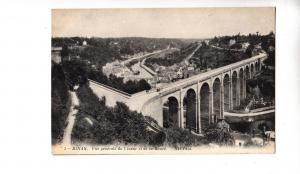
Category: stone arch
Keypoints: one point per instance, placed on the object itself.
(204, 105)
(227, 74)
(186, 88)
(171, 112)
(218, 78)
(241, 81)
(216, 92)
(226, 85)
(190, 109)
(234, 78)
(235, 71)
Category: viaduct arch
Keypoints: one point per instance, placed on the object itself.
(190, 109)
(171, 113)
(204, 106)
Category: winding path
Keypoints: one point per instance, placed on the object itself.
(71, 119)
(187, 59)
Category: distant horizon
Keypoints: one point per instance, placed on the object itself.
(176, 23)
(158, 37)
(131, 37)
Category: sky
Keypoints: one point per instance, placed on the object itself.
(162, 22)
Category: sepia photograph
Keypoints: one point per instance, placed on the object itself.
(163, 80)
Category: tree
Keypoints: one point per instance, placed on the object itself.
(64, 52)
(75, 72)
(236, 46)
(249, 50)
(144, 85)
(60, 102)
(127, 49)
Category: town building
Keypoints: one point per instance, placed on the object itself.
(56, 54)
(231, 42)
(245, 45)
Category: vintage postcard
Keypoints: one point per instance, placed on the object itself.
(163, 80)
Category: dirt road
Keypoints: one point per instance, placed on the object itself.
(71, 119)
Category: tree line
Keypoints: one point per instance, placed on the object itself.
(267, 43)
(115, 48)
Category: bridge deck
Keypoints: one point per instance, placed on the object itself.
(232, 114)
(249, 117)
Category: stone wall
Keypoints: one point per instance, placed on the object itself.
(111, 95)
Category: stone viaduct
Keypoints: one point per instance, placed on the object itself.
(200, 100)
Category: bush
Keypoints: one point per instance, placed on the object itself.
(177, 137)
(218, 135)
(75, 72)
(156, 139)
(100, 133)
(129, 126)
